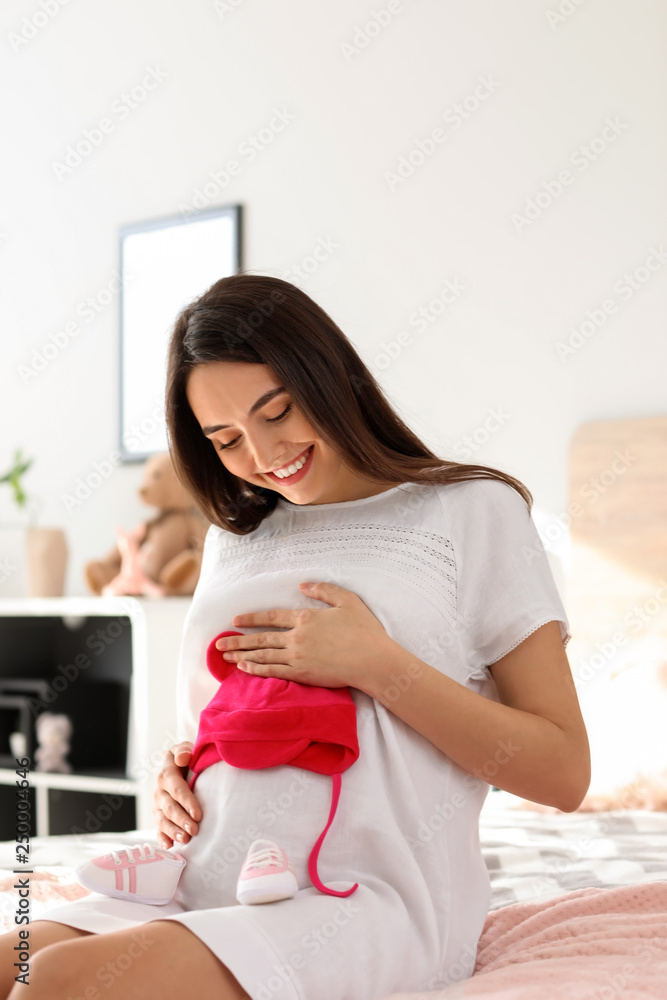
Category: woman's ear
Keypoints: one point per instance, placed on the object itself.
(217, 665)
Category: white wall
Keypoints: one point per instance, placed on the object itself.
(553, 81)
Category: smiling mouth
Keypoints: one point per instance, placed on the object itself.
(289, 470)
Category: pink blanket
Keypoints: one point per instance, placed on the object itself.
(590, 944)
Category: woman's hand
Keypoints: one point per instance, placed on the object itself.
(339, 646)
(174, 805)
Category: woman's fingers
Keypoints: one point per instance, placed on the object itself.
(176, 784)
(175, 807)
(182, 753)
(172, 818)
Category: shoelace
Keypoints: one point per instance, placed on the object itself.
(128, 850)
(264, 858)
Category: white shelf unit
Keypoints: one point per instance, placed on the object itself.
(156, 630)
(43, 782)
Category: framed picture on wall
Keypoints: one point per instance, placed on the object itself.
(164, 265)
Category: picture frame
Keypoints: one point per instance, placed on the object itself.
(165, 263)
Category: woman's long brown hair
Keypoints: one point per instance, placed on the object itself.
(265, 320)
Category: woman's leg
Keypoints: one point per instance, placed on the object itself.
(160, 958)
(42, 933)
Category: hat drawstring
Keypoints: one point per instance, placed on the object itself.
(312, 860)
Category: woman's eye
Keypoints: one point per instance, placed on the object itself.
(271, 420)
(280, 416)
(221, 447)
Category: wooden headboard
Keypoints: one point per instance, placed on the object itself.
(618, 528)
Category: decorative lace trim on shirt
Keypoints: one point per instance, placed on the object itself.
(423, 559)
(530, 631)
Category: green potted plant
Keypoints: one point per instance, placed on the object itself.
(42, 550)
(13, 478)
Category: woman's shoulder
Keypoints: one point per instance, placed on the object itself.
(452, 510)
(481, 512)
(480, 495)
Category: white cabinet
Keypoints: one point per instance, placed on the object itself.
(110, 665)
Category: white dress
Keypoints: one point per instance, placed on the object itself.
(457, 575)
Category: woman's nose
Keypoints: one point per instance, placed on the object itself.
(264, 454)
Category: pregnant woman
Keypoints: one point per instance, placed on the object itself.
(347, 555)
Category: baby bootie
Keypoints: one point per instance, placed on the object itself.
(267, 875)
(140, 874)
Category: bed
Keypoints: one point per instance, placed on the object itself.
(543, 868)
(578, 900)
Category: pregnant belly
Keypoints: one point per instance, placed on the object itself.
(285, 804)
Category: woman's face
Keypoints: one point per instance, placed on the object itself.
(257, 431)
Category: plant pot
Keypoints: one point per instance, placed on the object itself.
(46, 551)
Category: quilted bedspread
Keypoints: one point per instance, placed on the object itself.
(578, 905)
(589, 944)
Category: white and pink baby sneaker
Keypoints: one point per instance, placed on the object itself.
(140, 874)
(267, 875)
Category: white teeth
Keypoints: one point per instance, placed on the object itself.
(291, 469)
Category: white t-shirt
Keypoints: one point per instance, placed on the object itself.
(457, 575)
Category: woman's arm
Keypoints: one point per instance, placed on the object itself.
(533, 743)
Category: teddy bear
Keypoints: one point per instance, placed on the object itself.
(53, 735)
(131, 578)
(162, 556)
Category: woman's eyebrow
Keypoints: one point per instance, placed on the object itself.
(255, 406)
